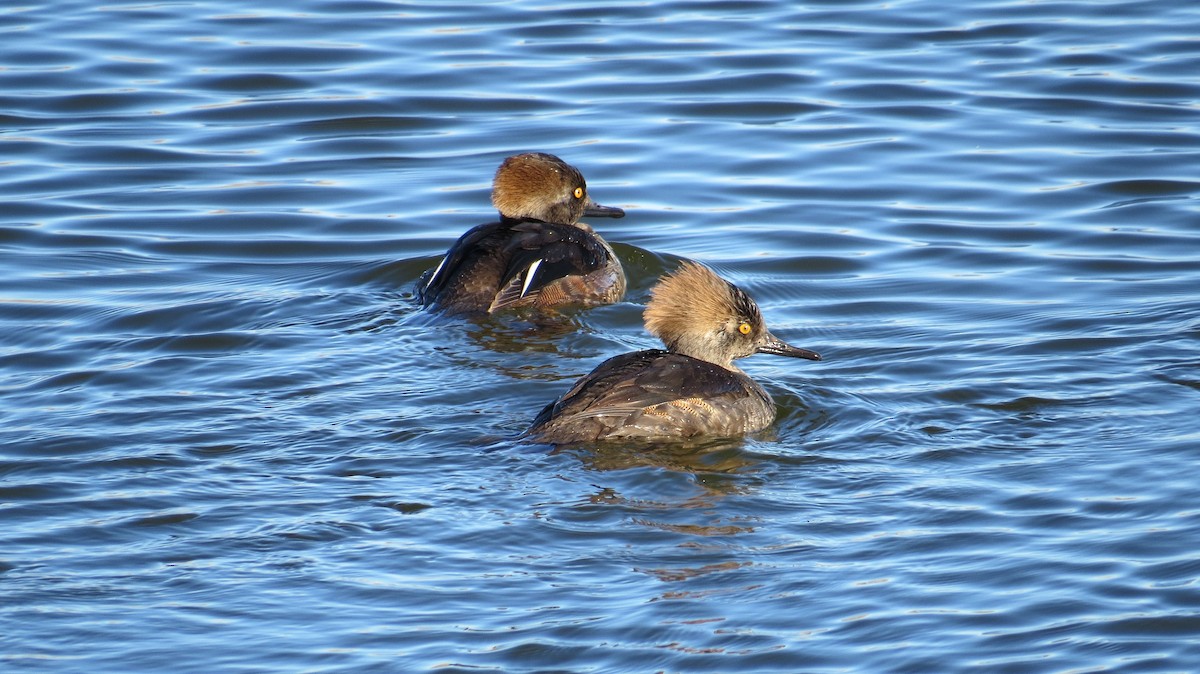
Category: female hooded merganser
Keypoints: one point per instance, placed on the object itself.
(538, 254)
(693, 388)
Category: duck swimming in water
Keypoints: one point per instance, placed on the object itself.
(538, 255)
(693, 388)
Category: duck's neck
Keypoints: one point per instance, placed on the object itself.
(698, 349)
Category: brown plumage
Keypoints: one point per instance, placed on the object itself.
(691, 389)
(538, 254)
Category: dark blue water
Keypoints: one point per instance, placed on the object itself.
(229, 443)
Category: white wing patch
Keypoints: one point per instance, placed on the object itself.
(517, 288)
(436, 271)
(529, 276)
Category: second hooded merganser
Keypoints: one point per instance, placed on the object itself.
(538, 255)
(691, 389)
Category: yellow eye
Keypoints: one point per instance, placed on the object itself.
(578, 192)
(745, 328)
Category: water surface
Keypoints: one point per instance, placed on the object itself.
(228, 442)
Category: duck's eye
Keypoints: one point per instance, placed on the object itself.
(578, 192)
(745, 328)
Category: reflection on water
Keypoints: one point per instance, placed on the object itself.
(705, 459)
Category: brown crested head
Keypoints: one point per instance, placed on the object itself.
(540, 186)
(699, 314)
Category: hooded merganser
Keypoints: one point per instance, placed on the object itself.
(691, 389)
(538, 254)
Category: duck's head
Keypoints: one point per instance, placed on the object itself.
(540, 186)
(699, 314)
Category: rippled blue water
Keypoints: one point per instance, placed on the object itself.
(229, 443)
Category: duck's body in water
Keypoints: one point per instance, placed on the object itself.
(691, 389)
(537, 255)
